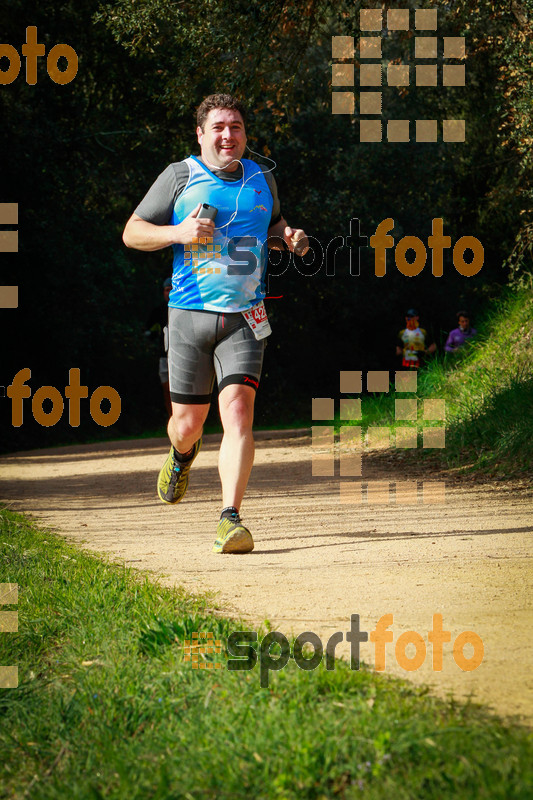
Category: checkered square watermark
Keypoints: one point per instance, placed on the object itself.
(201, 644)
(200, 250)
(375, 70)
(9, 243)
(429, 416)
(9, 623)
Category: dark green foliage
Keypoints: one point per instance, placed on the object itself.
(488, 389)
(79, 158)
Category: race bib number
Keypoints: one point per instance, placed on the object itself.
(257, 319)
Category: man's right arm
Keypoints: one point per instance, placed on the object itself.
(143, 235)
(148, 229)
(450, 343)
(399, 344)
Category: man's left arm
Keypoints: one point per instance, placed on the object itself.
(281, 234)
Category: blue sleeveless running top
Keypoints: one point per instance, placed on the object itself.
(225, 274)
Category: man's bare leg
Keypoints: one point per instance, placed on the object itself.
(186, 424)
(235, 461)
(236, 457)
(184, 430)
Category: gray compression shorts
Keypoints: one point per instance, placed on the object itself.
(205, 343)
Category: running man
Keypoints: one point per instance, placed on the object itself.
(218, 274)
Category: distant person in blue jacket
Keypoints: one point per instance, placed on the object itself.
(460, 335)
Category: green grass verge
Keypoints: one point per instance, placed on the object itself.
(107, 708)
(488, 389)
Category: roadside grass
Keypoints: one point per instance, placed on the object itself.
(488, 390)
(107, 707)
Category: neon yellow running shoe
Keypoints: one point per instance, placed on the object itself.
(174, 477)
(232, 536)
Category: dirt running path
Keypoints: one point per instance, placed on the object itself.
(316, 561)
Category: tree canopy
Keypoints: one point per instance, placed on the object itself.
(79, 157)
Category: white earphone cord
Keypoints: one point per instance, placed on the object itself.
(244, 182)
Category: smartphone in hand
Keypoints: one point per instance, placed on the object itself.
(207, 212)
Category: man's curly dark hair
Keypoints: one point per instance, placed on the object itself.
(218, 101)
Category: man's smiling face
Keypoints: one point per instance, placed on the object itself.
(223, 139)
